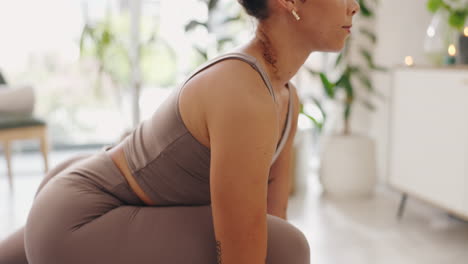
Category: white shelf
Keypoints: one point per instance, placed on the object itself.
(428, 156)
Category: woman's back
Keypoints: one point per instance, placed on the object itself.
(168, 162)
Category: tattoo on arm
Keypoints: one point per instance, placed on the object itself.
(218, 252)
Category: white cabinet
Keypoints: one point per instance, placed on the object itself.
(428, 135)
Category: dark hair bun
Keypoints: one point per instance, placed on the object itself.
(256, 8)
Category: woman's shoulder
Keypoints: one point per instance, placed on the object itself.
(227, 80)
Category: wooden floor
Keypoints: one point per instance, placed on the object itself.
(338, 231)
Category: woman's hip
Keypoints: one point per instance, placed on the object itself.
(147, 234)
(81, 216)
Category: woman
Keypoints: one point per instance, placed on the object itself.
(205, 179)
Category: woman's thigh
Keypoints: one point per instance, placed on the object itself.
(73, 222)
(12, 247)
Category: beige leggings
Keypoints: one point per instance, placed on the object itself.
(74, 220)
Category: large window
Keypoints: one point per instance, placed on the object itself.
(40, 47)
(86, 58)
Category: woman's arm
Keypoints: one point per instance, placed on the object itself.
(281, 171)
(243, 130)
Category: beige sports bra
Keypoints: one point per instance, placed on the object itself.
(170, 165)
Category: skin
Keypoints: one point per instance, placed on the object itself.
(319, 29)
(290, 42)
(281, 45)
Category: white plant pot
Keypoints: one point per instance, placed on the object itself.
(348, 166)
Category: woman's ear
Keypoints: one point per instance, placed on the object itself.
(289, 5)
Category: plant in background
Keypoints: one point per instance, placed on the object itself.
(458, 10)
(350, 73)
(2, 80)
(348, 160)
(224, 19)
(106, 42)
(98, 40)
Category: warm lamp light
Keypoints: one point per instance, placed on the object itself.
(409, 61)
(465, 31)
(452, 51)
(450, 58)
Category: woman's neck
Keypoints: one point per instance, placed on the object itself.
(278, 54)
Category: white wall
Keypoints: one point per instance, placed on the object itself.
(401, 27)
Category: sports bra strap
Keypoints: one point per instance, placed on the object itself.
(254, 63)
(241, 56)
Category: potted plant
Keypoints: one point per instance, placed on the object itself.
(348, 165)
(449, 25)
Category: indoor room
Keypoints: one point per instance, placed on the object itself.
(227, 131)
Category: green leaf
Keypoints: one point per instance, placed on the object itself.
(84, 34)
(433, 5)
(312, 72)
(372, 37)
(380, 95)
(320, 107)
(230, 19)
(347, 111)
(379, 68)
(224, 40)
(202, 53)
(366, 54)
(457, 20)
(365, 80)
(340, 82)
(327, 85)
(318, 124)
(367, 104)
(212, 4)
(338, 59)
(365, 11)
(194, 23)
(353, 69)
(106, 37)
(348, 86)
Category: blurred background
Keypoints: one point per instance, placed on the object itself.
(380, 169)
